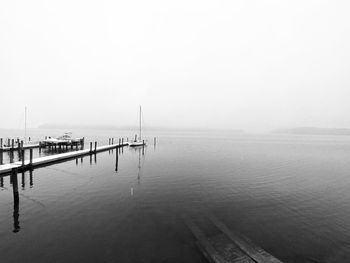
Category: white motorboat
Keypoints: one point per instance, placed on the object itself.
(66, 138)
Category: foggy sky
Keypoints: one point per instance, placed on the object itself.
(255, 65)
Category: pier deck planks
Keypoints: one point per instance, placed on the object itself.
(226, 246)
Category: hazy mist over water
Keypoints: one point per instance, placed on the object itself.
(245, 116)
(252, 65)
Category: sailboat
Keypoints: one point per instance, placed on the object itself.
(25, 124)
(138, 141)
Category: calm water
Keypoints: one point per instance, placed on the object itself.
(289, 194)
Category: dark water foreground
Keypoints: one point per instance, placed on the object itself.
(290, 195)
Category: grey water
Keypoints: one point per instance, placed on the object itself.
(288, 194)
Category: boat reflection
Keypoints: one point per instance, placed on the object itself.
(140, 150)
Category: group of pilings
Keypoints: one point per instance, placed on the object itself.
(120, 141)
(11, 144)
(21, 153)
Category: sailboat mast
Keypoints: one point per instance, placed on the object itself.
(25, 124)
(140, 122)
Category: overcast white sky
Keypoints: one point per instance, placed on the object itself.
(255, 65)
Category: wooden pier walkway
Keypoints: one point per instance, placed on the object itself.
(28, 164)
(225, 246)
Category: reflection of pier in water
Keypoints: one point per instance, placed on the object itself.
(13, 180)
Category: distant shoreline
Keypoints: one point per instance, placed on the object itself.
(111, 127)
(315, 131)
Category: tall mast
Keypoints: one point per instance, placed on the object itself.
(25, 124)
(140, 122)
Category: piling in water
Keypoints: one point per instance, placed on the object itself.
(116, 161)
(30, 156)
(22, 158)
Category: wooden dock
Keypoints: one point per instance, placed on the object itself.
(24, 147)
(225, 246)
(51, 159)
(19, 145)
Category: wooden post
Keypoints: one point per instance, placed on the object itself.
(76, 147)
(8, 142)
(135, 137)
(90, 147)
(155, 141)
(31, 157)
(1, 145)
(119, 141)
(109, 141)
(29, 139)
(13, 144)
(1, 156)
(23, 158)
(116, 161)
(112, 140)
(95, 147)
(21, 144)
(31, 178)
(40, 147)
(122, 141)
(11, 156)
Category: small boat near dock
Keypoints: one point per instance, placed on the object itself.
(65, 140)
